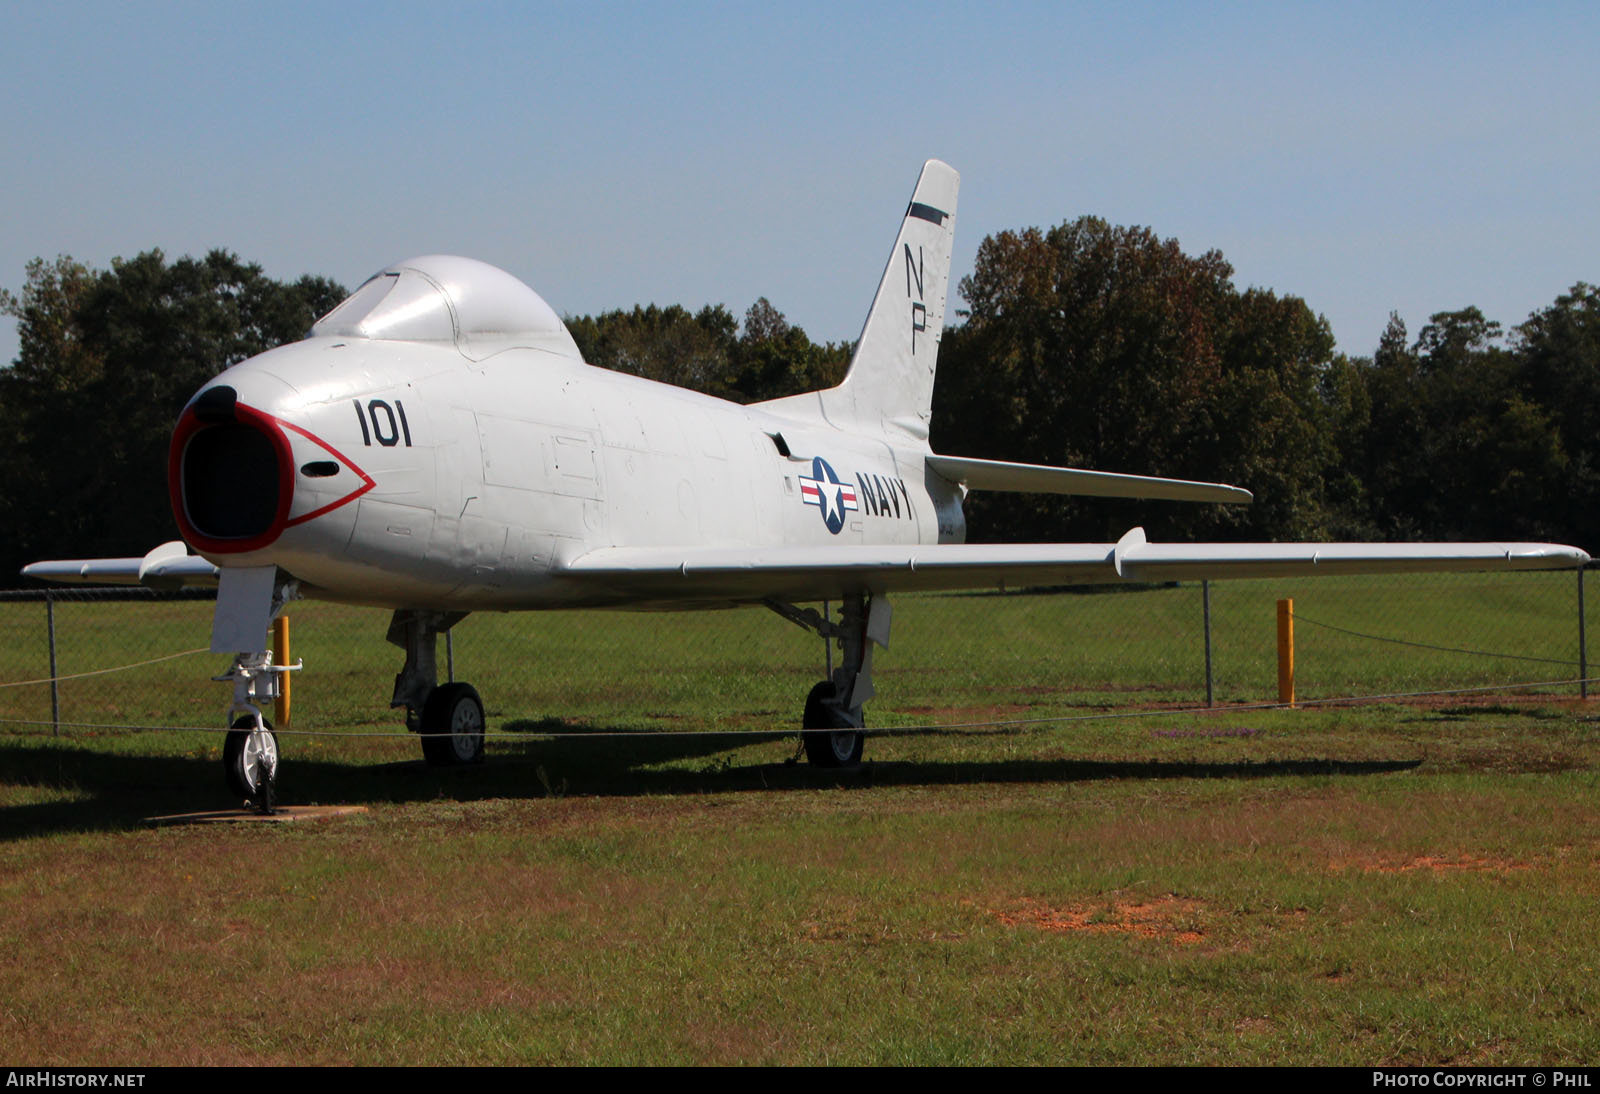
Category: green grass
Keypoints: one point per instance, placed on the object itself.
(1355, 885)
(947, 905)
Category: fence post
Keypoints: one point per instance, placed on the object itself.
(1205, 603)
(1286, 652)
(1583, 646)
(55, 685)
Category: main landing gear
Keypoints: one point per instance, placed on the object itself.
(832, 725)
(841, 742)
(448, 716)
(450, 719)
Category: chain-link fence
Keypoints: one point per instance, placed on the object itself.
(953, 658)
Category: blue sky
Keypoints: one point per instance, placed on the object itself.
(1368, 158)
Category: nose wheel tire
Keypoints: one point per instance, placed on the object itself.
(452, 726)
(249, 757)
(840, 744)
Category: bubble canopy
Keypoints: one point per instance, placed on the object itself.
(479, 308)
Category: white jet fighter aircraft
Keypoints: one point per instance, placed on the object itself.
(437, 446)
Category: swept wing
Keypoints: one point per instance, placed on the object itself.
(812, 573)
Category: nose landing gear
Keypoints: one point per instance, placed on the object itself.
(250, 752)
(250, 761)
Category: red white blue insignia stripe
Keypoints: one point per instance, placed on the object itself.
(823, 489)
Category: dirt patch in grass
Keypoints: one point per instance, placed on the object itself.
(1503, 702)
(1170, 917)
(1435, 863)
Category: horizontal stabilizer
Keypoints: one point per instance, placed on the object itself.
(169, 566)
(1032, 478)
(815, 573)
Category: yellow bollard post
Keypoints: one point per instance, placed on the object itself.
(1286, 652)
(280, 655)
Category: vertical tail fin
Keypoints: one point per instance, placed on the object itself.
(889, 388)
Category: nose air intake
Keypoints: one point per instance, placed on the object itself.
(229, 474)
(230, 481)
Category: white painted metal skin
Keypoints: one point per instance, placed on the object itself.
(509, 469)
(437, 446)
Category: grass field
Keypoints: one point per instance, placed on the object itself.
(1359, 885)
(961, 656)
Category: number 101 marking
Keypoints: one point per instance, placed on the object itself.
(388, 424)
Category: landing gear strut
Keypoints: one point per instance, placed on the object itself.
(247, 600)
(450, 716)
(831, 728)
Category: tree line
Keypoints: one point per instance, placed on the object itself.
(1107, 347)
(1085, 345)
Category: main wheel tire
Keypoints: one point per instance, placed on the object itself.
(247, 757)
(841, 743)
(452, 726)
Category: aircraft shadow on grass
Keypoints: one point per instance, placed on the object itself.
(119, 792)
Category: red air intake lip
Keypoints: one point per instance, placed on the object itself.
(234, 496)
(230, 474)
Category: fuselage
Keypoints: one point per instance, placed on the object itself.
(406, 474)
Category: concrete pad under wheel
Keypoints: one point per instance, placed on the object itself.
(283, 815)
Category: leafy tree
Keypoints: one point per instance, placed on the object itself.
(1346, 402)
(1455, 447)
(1560, 352)
(107, 360)
(764, 323)
(1106, 347)
(1086, 345)
(774, 359)
(668, 344)
(706, 351)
